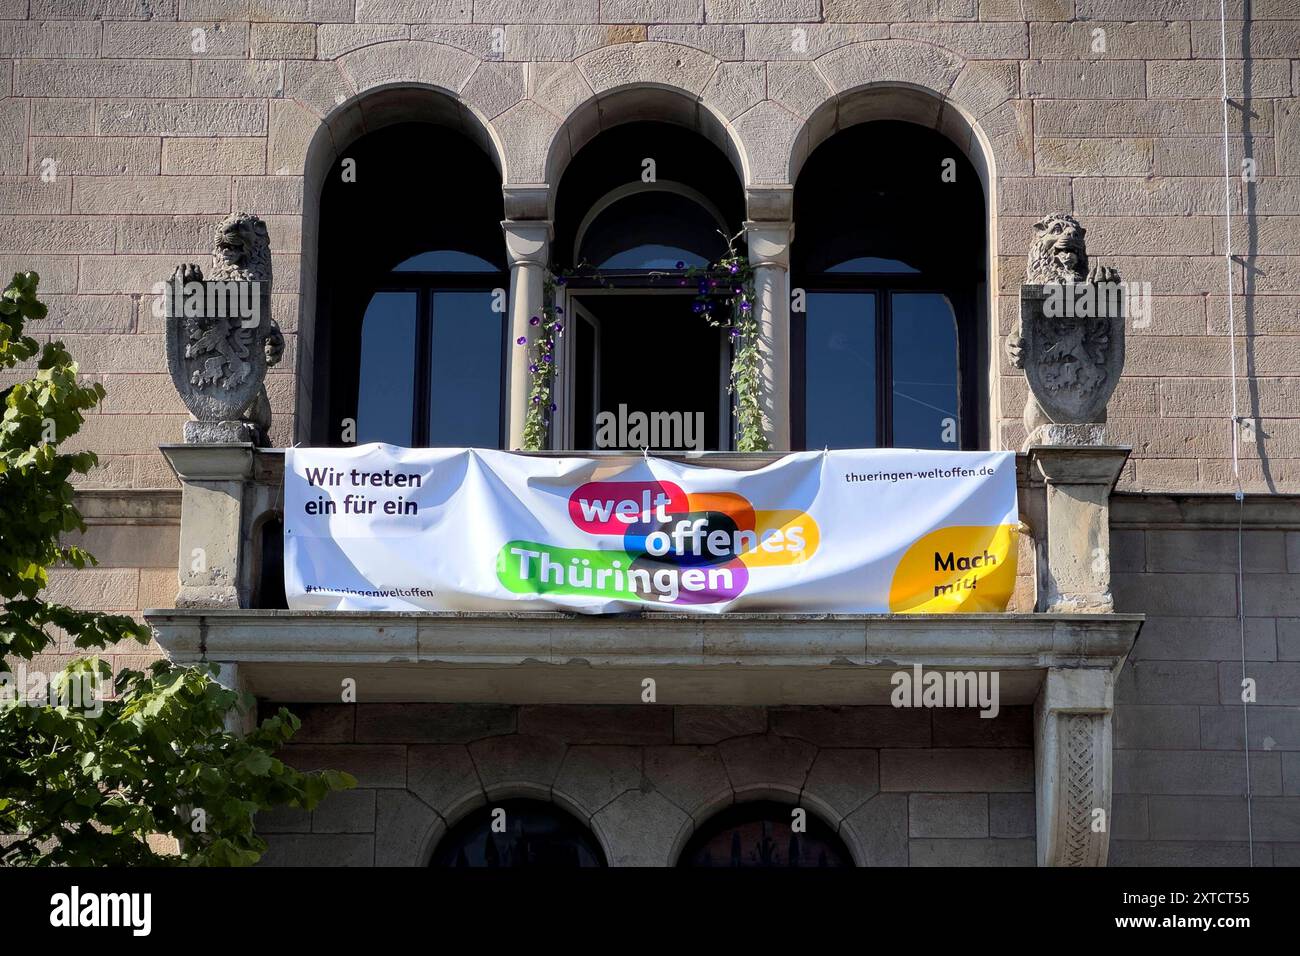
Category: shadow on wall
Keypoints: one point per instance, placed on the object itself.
(1252, 245)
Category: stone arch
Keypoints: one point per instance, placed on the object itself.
(790, 771)
(835, 822)
(972, 103)
(644, 81)
(362, 92)
(328, 104)
(428, 844)
(412, 846)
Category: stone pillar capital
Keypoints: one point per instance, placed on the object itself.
(769, 244)
(1073, 544)
(1068, 690)
(527, 241)
(771, 202)
(526, 201)
(1078, 464)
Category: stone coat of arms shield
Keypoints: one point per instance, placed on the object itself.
(1073, 337)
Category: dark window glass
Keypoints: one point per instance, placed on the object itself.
(759, 835)
(461, 364)
(652, 230)
(536, 835)
(466, 359)
(680, 390)
(926, 385)
(841, 370)
(386, 391)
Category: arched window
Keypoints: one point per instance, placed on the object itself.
(889, 253)
(634, 346)
(651, 226)
(760, 834)
(536, 834)
(412, 292)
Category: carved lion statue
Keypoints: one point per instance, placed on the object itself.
(1073, 366)
(241, 249)
(241, 252)
(1058, 254)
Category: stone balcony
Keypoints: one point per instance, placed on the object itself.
(1062, 658)
(543, 657)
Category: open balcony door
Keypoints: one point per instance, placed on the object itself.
(585, 365)
(581, 344)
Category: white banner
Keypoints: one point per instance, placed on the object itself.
(379, 527)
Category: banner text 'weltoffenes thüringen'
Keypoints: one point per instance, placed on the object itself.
(379, 527)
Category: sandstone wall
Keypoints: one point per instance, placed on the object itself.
(147, 143)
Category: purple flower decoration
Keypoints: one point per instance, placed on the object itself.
(559, 280)
(546, 358)
(559, 327)
(735, 333)
(559, 311)
(533, 368)
(697, 307)
(537, 399)
(744, 307)
(681, 264)
(522, 340)
(734, 269)
(553, 406)
(534, 321)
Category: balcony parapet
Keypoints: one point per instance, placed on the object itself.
(231, 490)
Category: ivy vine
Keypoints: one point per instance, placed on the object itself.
(724, 298)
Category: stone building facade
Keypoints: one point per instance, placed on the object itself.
(129, 128)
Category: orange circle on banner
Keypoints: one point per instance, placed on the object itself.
(962, 568)
(734, 506)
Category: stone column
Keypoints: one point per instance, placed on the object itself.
(1072, 763)
(214, 479)
(528, 246)
(769, 254)
(1074, 546)
(238, 722)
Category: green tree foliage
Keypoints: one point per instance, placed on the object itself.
(87, 781)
